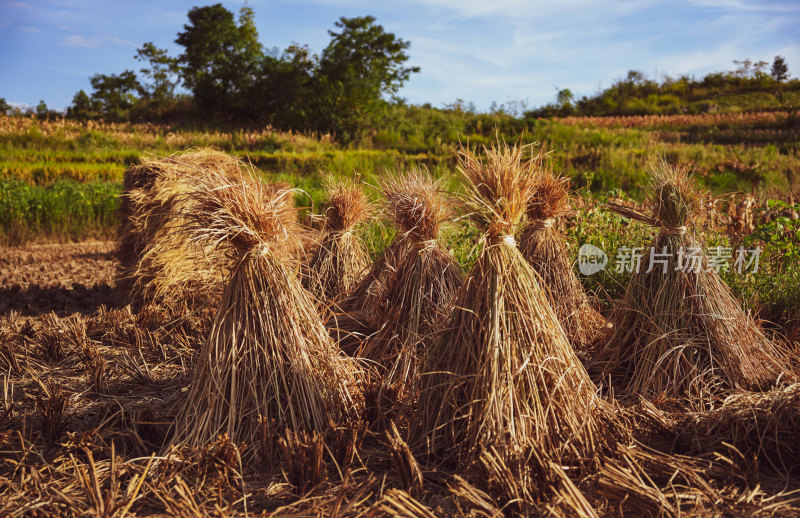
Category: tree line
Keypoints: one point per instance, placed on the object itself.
(224, 76)
(229, 77)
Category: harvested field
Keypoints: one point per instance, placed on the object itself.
(90, 394)
(64, 278)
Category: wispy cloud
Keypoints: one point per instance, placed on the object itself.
(25, 28)
(77, 40)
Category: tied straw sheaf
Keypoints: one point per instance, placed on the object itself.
(340, 261)
(269, 363)
(502, 385)
(411, 288)
(156, 262)
(678, 331)
(546, 249)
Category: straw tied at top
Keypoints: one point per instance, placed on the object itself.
(687, 259)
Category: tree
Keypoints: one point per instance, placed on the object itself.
(82, 107)
(114, 94)
(4, 106)
(780, 70)
(362, 63)
(221, 59)
(42, 111)
(161, 74)
(565, 98)
(284, 91)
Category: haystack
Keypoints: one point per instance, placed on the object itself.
(415, 292)
(678, 330)
(156, 261)
(269, 363)
(545, 247)
(341, 260)
(140, 197)
(503, 379)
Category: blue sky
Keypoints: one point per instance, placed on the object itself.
(477, 50)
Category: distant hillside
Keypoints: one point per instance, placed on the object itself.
(748, 88)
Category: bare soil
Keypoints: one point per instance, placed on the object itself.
(64, 278)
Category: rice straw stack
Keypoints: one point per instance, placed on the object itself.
(678, 330)
(418, 292)
(341, 260)
(545, 247)
(157, 262)
(268, 354)
(503, 376)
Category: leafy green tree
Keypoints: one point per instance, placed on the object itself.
(161, 75)
(284, 92)
(779, 70)
(82, 107)
(4, 106)
(361, 64)
(114, 94)
(221, 59)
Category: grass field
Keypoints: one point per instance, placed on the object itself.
(730, 152)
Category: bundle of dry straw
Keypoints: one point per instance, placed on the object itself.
(269, 362)
(153, 192)
(156, 261)
(503, 375)
(678, 331)
(341, 260)
(546, 249)
(414, 284)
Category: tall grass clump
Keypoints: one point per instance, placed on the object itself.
(502, 379)
(678, 330)
(545, 248)
(269, 363)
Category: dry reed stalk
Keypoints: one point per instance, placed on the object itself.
(340, 261)
(268, 353)
(678, 330)
(415, 290)
(503, 375)
(156, 261)
(545, 247)
(757, 426)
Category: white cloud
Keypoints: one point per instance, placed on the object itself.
(24, 28)
(77, 40)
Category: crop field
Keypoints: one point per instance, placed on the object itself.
(274, 324)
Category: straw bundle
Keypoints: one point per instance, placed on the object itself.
(678, 330)
(268, 353)
(156, 261)
(418, 291)
(141, 198)
(340, 261)
(502, 374)
(546, 249)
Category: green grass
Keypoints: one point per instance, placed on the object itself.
(63, 211)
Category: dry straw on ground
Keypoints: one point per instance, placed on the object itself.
(761, 430)
(502, 383)
(269, 363)
(415, 282)
(156, 262)
(546, 249)
(341, 260)
(678, 330)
